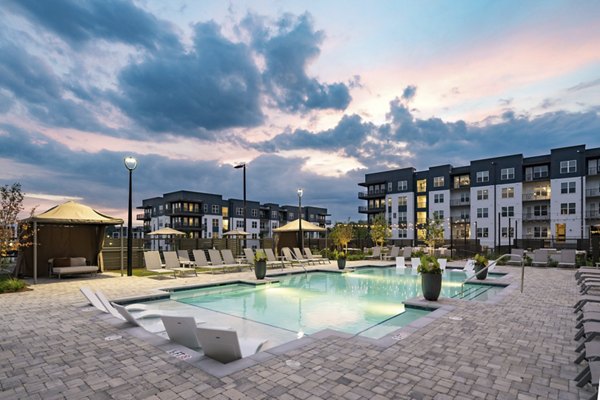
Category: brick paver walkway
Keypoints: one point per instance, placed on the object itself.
(519, 348)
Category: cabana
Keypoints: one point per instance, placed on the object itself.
(67, 230)
(287, 235)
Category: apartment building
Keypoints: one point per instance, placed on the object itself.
(208, 215)
(555, 195)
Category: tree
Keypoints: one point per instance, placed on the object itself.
(12, 235)
(342, 235)
(380, 230)
(434, 233)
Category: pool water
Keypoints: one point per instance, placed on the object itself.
(367, 301)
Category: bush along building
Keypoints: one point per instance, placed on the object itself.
(553, 197)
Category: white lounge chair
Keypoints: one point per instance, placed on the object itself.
(443, 263)
(120, 312)
(223, 344)
(400, 262)
(229, 260)
(567, 257)
(415, 262)
(172, 262)
(154, 264)
(376, 253)
(272, 260)
(182, 330)
(184, 258)
(287, 256)
(202, 262)
(318, 257)
(92, 297)
(299, 256)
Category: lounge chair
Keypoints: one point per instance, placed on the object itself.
(394, 252)
(407, 252)
(182, 330)
(584, 270)
(172, 262)
(271, 259)
(591, 374)
(567, 258)
(228, 259)
(318, 257)
(415, 262)
(590, 316)
(583, 300)
(223, 344)
(184, 258)
(540, 257)
(201, 262)
(400, 263)
(287, 256)
(443, 262)
(590, 352)
(120, 312)
(376, 253)
(217, 260)
(299, 256)
(92, 297)
(153, 263)
(519, 255)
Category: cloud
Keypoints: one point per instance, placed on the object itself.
(409, 93)
(214, 86)
(79, 22)
(584, 85)
(287, 54)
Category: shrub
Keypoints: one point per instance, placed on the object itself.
(355, 256)
(552, 262)
(8, 285)
(429, 265)
(527, 261)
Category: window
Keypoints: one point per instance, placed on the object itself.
(482, 176)
(541, 210)
(402, 201)
(482, 212)
(438, 215)
(421, 201)
(422, 185)
(390, 186)
(567, 187)
(421, 217)
(508, 192)
(567, 208)
(540, 231)
(462, 181)
(215, 209)
(254, 225)
(205, 208)
(239, 211)
(438, 198)
(402, 233)
(464, 198)
(274, 215)
(389, 205)
(508, 211)
(507, 173)
(291, 215)
(482, 194)
(568, 167)
(482, 232)
(438, 181)
(402, 186)
(402, 217)
(254, 212)
(505, 232)
(215, 223)
(239, 224)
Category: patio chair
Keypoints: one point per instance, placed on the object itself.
(182, 330)
(317, 257)
(376, 253)
(443, 263)
(217, 260)
(287, 256)
(590, 316)
(583, 270)
(120, 312)
(567, 258)
(583, 300)
(229, 260)
(407, 252)
(184, 258)
(400, 263)
(201, 261)
(394, 252)
(591, 374)
(153, 263)
(299, 256)
(224, 345)
(590, 352)
(540, 257)
(519, 253)
(272, 260)
(415, 262)
(172, 262)
(93, 299)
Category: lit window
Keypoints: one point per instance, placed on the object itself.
(438, 181)
(422, 185)
(421, 201)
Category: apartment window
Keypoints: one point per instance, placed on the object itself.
(239, 211)
(402, 233)
(389, 205)
(568, 167)
(464, 215)
(254, 212)
(541, 210)
(402, 217)
(402, 201)
(239, 224)
(508, 192)
(291, 215)
(482, 212)
(402, 186)
(421, 201)
(422, 185)
(215, 209)
(438, 215)
(507, 173)
(205, 208)
(508, 211)
(482, 194)
(482, 232)
(438, 181)
(541, 191)
(215, 223)
(421, 217)
(461, 181)
(254, 225)
(464, 197)
(540, 232)
(389, 186)
(482, 176)
(505, 232)
(438, 198)
(567, 187)
(567, 208)
(274, 214)
(593, 167)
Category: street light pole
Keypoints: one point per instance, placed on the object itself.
(301, 238)
(130, 164)
(243, 166)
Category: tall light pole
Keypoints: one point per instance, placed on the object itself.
(301, 236)
(243, 165)
(130, 164)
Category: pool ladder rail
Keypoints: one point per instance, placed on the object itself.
(493, 264)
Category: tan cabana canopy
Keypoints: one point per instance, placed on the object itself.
(294, 226)
(236, 233)
(67, 230)
(167, 231)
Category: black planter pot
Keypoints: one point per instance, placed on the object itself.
(260, 269)
(341, 263)
(431, 284)
(480, 275)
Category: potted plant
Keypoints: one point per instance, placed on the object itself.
(481, 262)
(431, 277)
(340, 256)
(260, 264)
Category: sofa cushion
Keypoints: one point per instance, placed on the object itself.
(62, 262)
(75, 270)
(77, 261)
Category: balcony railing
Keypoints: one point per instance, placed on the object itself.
(594, 170)
(534, 217)
(592, 214)
(142, 217)
(537, 176)
(460, 202)
(372, 194)
(363, 209)
(594, 192)
(536, 196)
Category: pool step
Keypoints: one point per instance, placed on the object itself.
(471, 292)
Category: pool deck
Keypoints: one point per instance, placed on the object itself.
(53, 346)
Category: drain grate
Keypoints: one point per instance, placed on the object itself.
(112, 337)
(181, 355)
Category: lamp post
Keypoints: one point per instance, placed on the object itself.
(301, 236)
(130, 164)
(243, 166)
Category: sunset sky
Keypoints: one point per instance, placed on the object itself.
(308, 94)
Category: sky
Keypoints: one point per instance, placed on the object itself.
(307, 94)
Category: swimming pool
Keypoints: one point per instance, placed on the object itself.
(367, 301)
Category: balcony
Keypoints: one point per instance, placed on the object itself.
(592, 214)
(534, 217)
(594, 170)
(594, 192)
(460, 202)
(371, 195)
(142, 217)
(536, 176)
(459, 220)
(366, 210)
(536, 196)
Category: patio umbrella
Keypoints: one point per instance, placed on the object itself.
(167, 232)
(236, 233)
